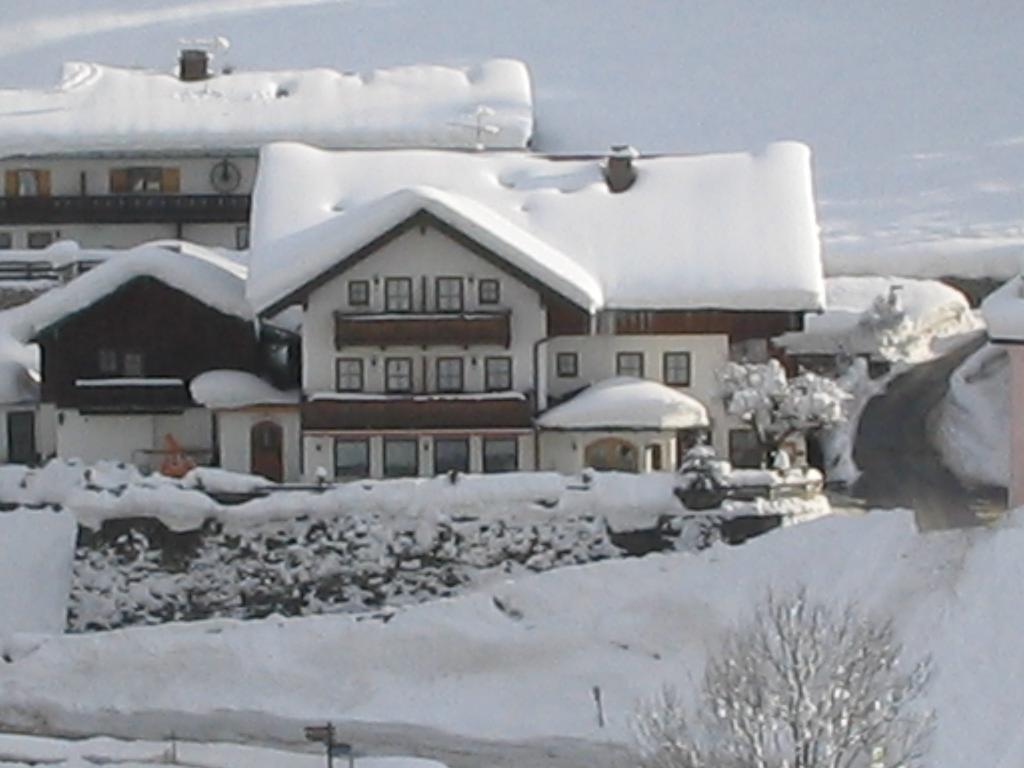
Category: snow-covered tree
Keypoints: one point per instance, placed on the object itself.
(776, 406)
(803, 685)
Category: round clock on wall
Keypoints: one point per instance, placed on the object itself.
(225, 176)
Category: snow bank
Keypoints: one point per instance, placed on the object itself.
(223, 389)
(521, 659)
(627, 402)
(733, 231)
(898, 319)
(36, 551)
(99, 108)
(972, 428)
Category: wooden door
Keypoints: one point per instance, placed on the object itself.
(265, 444)
(21, 437)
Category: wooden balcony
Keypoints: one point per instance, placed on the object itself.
(422, 330)
(423, 412)
(130, 396)
(125, 209)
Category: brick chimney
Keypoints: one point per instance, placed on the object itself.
(193, 64)
(619, 172)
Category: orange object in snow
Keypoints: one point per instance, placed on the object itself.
(176, 463)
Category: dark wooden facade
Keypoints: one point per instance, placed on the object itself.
(422, 330)
(738, 325)
(125, 209)
(418, 414)
(177, 336)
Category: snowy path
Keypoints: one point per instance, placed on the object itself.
(894, 450)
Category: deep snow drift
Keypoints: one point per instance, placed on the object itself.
(521, 659)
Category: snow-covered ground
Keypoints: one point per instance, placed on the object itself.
(913, 112)
(520, 660)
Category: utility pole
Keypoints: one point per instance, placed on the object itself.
(325, 735)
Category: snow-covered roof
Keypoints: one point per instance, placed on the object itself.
(626, 403)
(98, 108)
(1003, 310)
(226, 389)
(727, 231)
(205, 275)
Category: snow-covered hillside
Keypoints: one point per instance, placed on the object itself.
(520, 660)
(913, 111)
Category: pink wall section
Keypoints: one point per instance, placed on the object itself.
(1016, 352)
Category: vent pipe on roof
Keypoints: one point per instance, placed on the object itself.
(619, 172)
(193, 64)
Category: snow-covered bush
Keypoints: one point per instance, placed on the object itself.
(802, 685)
(777, 407)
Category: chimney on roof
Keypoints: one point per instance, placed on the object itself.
(193, 64)
(619, 172)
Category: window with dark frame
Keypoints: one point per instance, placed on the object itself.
(450, 374)
(498, 374)
(629, 364)
(451, 454)
(676, 369)
(144, 179)
(40, 239)
(133, 364)
(448, 292)
(398, 374)
(501, 454)
(401, 457)
(358, 293)
(349, 374)
(6, 241)
(567, 365)
(242, 237)
(398, 294)
(489, 291)
(351, 458)
(108, 361)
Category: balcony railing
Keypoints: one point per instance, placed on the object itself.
(125, 209)
(126, 395)
(421, 330)
(481, 412)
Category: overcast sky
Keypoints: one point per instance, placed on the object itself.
(914, 110)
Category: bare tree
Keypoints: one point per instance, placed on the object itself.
(803, 685)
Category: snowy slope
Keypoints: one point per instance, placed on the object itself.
(914, 111)
(520, 660)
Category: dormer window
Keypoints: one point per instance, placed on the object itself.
(449, 294)
(398, 294)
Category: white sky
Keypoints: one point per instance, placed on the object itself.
(914, 109)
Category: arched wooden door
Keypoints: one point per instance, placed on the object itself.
(265, 444)
(612, 454)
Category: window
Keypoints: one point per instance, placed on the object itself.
(27, 182)
(501, 454)
(629, 364)
(41, 239)
(351, 458)
(242, 237)
(133, 364)
(6, 241)
(401, 457)
(449, 294)
(449, 374)
(489, 291)
(749, 351)
(497, 374)
(398, 374)
(358, 293)
(398, 294)
(108, 361)
(567, 365)
(676, 369)
(744, 450)
(451, 454)
(144, 179)
(349, 374)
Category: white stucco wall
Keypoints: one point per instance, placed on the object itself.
(597, 356)
(318, 451)
(564, 451)
(234, 439)
(126, 437)
(420, 254)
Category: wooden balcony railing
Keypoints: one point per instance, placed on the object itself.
(422, 330)
(125, 209)
(417, 412)
(113, 396)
